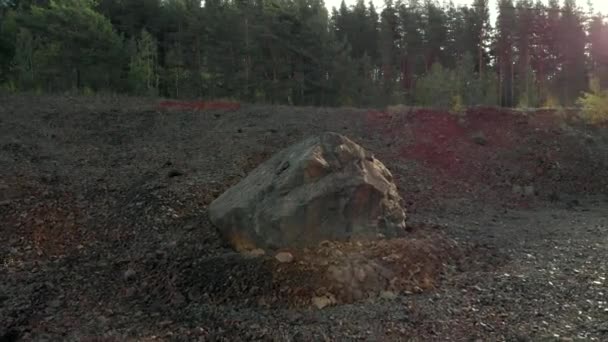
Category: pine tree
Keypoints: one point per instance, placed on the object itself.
(371, 38)
(478, 30)
(389, 44)
(504, 46)
(77, 47)
(598, 49)
(540, 51)
(358, 30)
(8, 40)
(435, 34)
(523, 42)
(24, 60)
(411, 44)
(343, 23)
(455, 36)
(573, 76)
(551, 40)
(143, 67)
(438, 88)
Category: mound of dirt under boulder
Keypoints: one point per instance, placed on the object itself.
(323, 188)
(329, 274)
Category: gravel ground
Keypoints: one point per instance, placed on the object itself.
(106, 237)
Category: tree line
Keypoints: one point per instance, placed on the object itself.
(297, 52)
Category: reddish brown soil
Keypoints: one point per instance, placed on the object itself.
(199, 105)
(488, 152)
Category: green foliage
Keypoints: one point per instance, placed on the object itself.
(8, 32)
(528, 93)
(428, 52)
(437, 88)
(594, 85)
(594, 107)
(594, 104)
(8, 87)
(572, 39)
(456, 88)
(75, 46)
(23, 64)
(143, 65)
(457, 105)
(86, 91)
(468, 85)
(552, 102)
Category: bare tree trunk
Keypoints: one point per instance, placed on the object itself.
(481, 52)
(480, 58)
(500, 83)
(199, 66)
(512, 102)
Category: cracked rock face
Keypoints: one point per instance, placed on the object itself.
(323, 188)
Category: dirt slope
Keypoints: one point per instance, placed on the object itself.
(105, 234)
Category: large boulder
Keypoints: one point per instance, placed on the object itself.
(324, 188)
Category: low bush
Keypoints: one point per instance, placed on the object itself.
(594, 105)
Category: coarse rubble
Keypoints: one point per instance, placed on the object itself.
(106, 233)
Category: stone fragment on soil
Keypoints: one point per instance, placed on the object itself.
(323, 188)
(258, 252)
(129, 274)
(322, 302)
(389, 295)
(529, 190)
(284, 257)
(479, 138)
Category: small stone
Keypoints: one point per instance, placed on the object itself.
(284, 257)
(129, 274)
(174, 173)
(322, 302)
(130, 292)
(178, 299)
(165, 323)
(325, 243)
(258, 252)
(480, 139)
(338, 274)
(529, 190)
(337, 253)
(103, 319)
(389, 295)
(360, 274)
